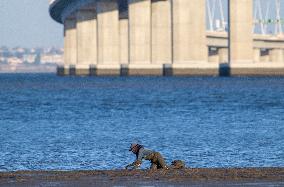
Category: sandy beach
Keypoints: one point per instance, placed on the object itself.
(184, 177)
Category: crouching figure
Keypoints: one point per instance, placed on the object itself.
(156, 159)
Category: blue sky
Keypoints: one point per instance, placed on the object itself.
(27, 23)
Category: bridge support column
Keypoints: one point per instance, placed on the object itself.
(108, 37)
(86, 40)
(70, 44)
(139, 12)
(256, 55)
(223, 55)
(241, 31)
(123, 30)
(276, 55)
(161, 32)
(190, 52)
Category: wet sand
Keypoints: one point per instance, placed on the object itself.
(183, 177)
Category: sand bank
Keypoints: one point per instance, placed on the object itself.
(184, 177)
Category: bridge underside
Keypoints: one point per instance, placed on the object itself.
(161, 37)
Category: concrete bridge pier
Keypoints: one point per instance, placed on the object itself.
(276, 55)
(139, 13)
(190, 52)
(86, 40)
(161, 32)
(223, 55)
(70, 45)
(241, 35)
(123, 34)
(256, 55)
(108, 37)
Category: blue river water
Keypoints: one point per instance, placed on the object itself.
(81, 123)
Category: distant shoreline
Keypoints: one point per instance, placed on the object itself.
(196, 176)
(26, 68)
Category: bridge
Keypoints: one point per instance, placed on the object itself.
(171, 37)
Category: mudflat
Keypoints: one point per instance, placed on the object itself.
(181, 177)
